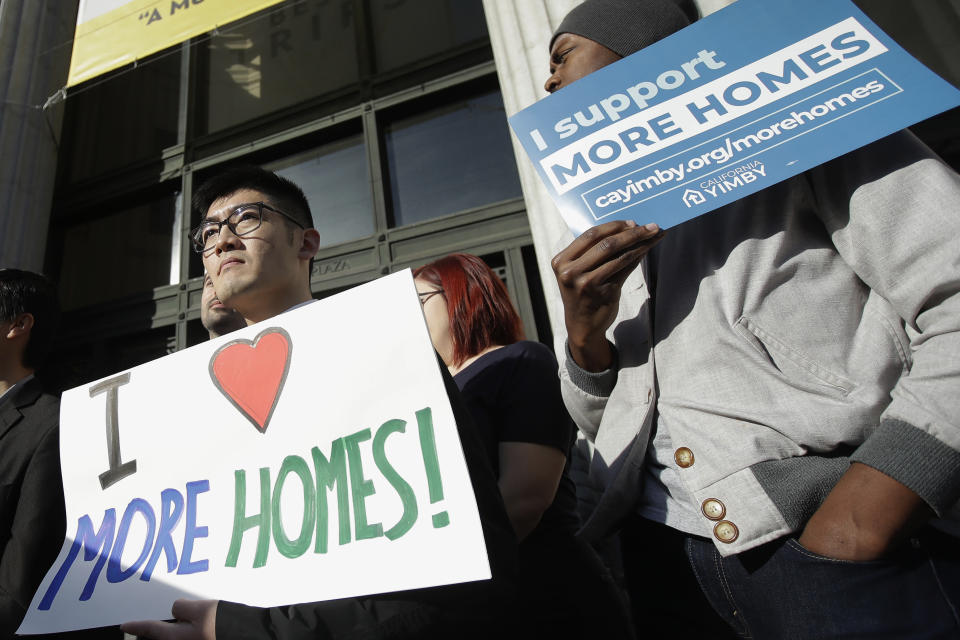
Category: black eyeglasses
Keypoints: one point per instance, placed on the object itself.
(426, 295)
(244, 220)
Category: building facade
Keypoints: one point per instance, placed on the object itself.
(391, 114)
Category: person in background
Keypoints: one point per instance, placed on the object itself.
(32, 518)
(217, 318)
(773, 390)
(511, 388)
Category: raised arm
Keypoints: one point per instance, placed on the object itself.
(590, 273)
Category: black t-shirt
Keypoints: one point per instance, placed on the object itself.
(466, 610)
(513, 394)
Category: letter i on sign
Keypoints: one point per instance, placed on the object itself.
(538, 139)
(118, 470)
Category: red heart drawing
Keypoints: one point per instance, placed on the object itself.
(251, 374)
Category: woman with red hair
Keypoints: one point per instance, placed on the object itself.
(512, 389)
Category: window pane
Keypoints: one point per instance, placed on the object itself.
(450, 159)
(411, 30)
(75, 362)
(336, 182)
(122, 119)
(278, 57)
(118, 254)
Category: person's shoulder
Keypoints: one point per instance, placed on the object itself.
(30, 427)
(883, 158)
(536, 351)
(514, 364)
(36, 396)
(528, 358)
(34, 403)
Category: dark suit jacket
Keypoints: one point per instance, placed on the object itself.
(31, 497)
(32, 519)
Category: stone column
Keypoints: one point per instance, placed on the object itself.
(519, 34)
(35, 46)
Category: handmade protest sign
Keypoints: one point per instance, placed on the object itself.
(747, 97)
(309, 457)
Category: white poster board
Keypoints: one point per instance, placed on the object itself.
(309, 457)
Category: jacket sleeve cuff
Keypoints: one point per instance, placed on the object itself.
(239, 621)
(916, 459)
(596, 384)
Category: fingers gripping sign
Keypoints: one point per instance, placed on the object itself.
(590, 273)
(194, 620)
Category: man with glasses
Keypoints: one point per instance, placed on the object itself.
(257, 241)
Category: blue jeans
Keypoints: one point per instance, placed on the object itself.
(780, 590)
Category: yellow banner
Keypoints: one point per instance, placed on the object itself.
(113, 33)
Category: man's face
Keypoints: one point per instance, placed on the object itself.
(573, 57)
(259, 267)
(217, 318)
(438, 319)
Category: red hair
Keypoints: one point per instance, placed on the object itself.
(479, 308)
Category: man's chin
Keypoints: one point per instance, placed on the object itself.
(230, 289)
(235, 299)
(221, 314)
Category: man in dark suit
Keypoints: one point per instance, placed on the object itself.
(31, 492)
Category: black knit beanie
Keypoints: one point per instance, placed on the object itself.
(625, 26)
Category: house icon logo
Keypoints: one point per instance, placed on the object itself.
(692, 197)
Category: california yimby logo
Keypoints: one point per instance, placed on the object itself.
(724, 182)
(692, 197)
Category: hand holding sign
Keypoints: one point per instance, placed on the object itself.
(732, 104)
(590, 273)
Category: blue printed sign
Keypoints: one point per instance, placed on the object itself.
(736, 102)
